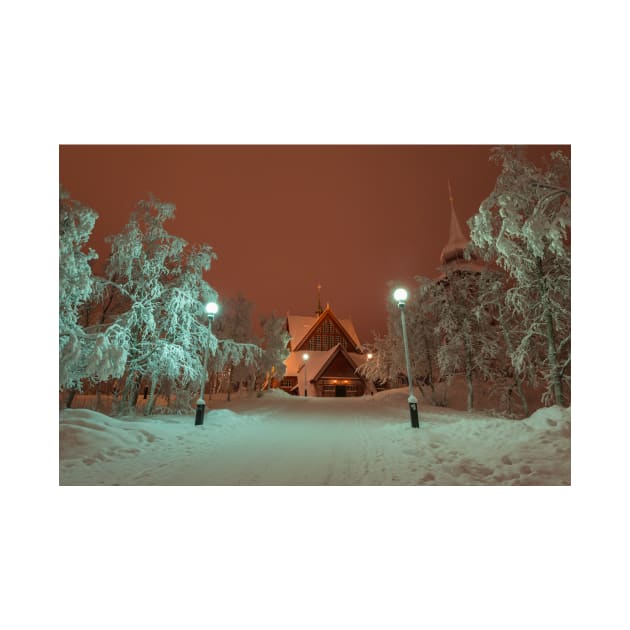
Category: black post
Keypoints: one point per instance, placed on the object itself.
(413, 412)
(201, 407)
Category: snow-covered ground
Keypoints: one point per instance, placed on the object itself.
(284, 440)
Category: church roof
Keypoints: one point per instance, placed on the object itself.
(300, 325)
(317, 361)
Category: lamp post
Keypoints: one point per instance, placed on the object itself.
(305, 357)
(400, 295)
(212, 308)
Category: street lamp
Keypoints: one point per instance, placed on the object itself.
(212, 308)
(305, 357)
(400, 295)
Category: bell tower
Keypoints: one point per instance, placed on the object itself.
(457, 242)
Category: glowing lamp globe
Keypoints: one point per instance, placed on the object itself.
(305, 356)
(212, 308)
(400, 295)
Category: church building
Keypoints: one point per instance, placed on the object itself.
(325, 353)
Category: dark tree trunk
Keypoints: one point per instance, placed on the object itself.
(554, 368)
(71, 394)
(510, 351)
(469, 375)
(429, 363)
(148, 409)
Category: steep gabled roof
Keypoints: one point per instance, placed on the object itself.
(349, 327)
(318, 361)
(338, 349)
(294, 363)
(302, 327)
(298, 326)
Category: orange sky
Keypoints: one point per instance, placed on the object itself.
(284, 218)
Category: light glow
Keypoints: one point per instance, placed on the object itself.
(400, 295)
(305, 356)
(212, 308)
(370, 355)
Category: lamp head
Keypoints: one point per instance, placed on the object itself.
(305, 356)
(212, 308)
(400, 295)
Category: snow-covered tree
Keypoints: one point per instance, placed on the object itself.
(468, 344)
(524, 226)
(76, 284)
(86, 353)
(163, 332)
(385, 367)
(508, 377)
(183, 332)
(388, 364)
(423, 335)
(275, 349)
(237, 354)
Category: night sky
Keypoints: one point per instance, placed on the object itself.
(284, 218)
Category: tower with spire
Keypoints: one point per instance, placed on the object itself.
(454, 249)
(452, 254)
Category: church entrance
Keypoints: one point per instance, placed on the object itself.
(340, 391)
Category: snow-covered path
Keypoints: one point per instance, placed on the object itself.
(282, 440)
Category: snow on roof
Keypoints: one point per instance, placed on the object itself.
(316, 360)
(294, 362)
(300, 325)
(349, 326)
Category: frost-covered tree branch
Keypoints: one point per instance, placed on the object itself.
(524, 226)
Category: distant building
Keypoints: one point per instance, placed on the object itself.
(334, 353)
